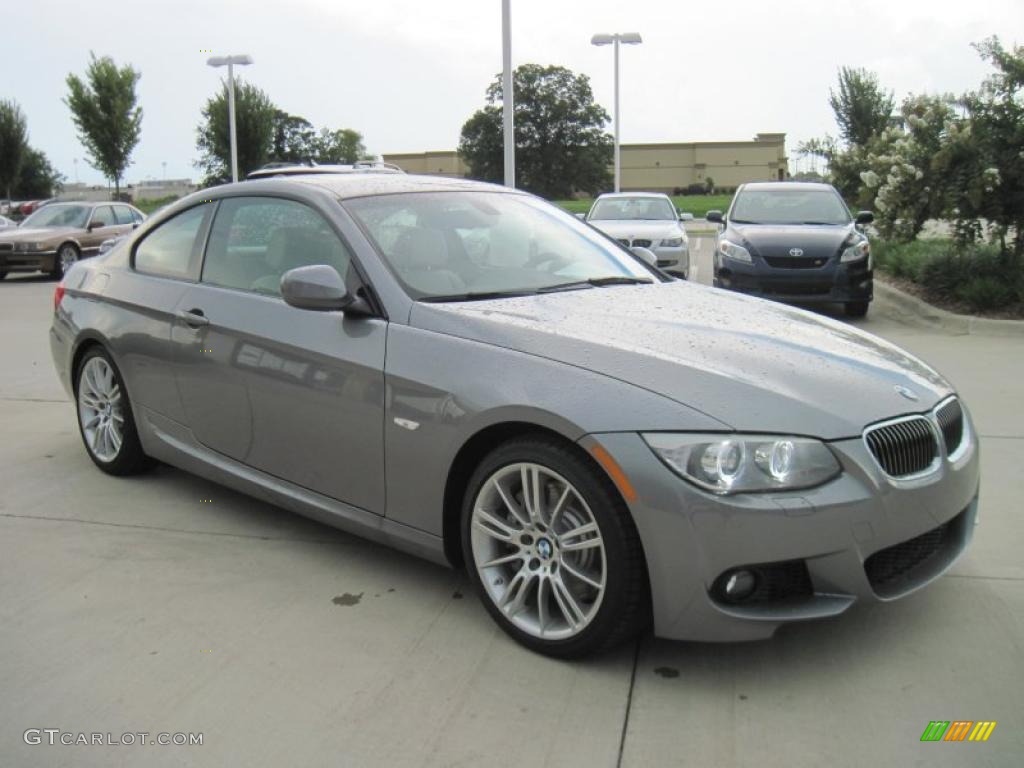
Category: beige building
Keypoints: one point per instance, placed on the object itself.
(656, 167)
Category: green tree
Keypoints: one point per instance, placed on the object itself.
(104, 108)
(561, 143)
(293, 140)
(38, 178)
(254, 130)
(862, 109)
(339, 146)
(13, 144)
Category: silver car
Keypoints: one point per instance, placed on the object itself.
(645, 220)
(602, 447)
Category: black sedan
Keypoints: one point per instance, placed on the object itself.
(794, 241)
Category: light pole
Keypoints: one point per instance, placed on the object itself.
(506, 93)
(76, 171)
(626, 38)
(230, 61)
(164, 164)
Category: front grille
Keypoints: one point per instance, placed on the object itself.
(797, 289)
(904, 447)
(6, 246)
(641, 243)
(951, 421)
(792, 262)
(624, 241)
(894, 570)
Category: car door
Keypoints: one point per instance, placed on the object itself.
(102, 226)
(125, 220)
(295, 393)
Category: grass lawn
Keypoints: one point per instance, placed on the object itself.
(148, 206)
(698, 205)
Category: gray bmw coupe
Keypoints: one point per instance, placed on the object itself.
(468, 373)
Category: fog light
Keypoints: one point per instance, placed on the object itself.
(738, 585)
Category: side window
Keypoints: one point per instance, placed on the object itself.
(255, 240)
(124, 215)
(171, 249)
(104, 214)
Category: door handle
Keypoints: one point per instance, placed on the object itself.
(193, 317)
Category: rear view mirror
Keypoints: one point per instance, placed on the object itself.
(865, 217)
(320, 288)
(96, 224)
(646, 255)
(581, 216)
(715, 217)
(684, 216)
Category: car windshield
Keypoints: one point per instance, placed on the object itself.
(58, 216)
(789, 206)
(466, 245)
(633, 209)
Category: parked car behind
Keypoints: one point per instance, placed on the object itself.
(6, 223)
(600, 446)
(59, 234)
(794, 241)
(645, 220)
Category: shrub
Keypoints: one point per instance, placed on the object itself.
(695, 189)
(980, 293)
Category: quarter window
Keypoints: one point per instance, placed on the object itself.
(172, 249)
(255, 240)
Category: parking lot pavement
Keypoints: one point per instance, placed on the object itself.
(168, 604)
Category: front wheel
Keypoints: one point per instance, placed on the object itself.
(105, 416)
(552, 550)
(856, 308)
(66, 257)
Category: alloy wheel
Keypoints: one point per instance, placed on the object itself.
(68, 256)
(538, 551)
(100, 409)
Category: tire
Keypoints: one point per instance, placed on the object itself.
(3, 275)
(105, 419)
(67, 255)
(856, 308)
(592, 583)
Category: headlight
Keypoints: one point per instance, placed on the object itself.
(29, 246)
(735, 252)
(857, 251)
(745, 463)
(672, 242)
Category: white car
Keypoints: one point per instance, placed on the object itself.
(6, 223)
(645, 220)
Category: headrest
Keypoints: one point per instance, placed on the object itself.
(419, 248)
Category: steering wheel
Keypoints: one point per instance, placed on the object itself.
(555, 260)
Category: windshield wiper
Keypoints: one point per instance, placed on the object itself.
(596, 282)
(475, 296)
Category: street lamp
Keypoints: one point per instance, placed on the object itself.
(626, 38)
(507, 97)
(230, 61)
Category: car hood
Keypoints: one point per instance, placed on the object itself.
(34, 233)
(650, 230)
(816, 241)
(751, 364)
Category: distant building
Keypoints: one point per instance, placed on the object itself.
(149, 189)
(655, 167)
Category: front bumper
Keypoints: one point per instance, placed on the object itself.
(691, 538)
(27, 261)
(834, 281)
(674, 260)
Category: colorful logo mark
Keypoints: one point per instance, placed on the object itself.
(958, 730)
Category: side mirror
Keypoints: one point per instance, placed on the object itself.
(96, 224)
(715, 217)
(581, 216)
(865, 217)
(320, 288)
(646, 255)
(684, 216)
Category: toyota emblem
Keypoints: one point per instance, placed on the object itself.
(796, 252)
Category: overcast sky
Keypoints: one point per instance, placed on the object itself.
(407, 73)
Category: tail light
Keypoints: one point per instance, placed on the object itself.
(58, 295)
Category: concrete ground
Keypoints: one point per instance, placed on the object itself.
(168, 604)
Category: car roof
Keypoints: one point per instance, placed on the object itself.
(350, 185)
(610, 195)
(771, 186)
(297, 169)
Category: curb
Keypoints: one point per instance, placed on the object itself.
(902, 306)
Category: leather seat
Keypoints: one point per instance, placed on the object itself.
(421, 258)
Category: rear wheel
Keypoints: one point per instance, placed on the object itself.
(552, 550)
(105, 416)
(66, 257)
(856, 308)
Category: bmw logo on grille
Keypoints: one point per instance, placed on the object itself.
(544, 548)
(907, 392)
